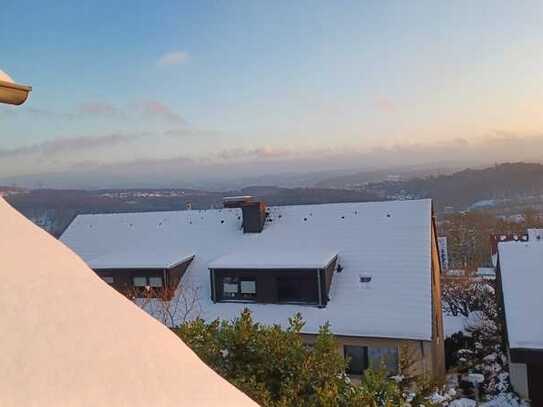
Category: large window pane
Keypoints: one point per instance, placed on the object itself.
(358, 359)
(297, 288)
(383, 357)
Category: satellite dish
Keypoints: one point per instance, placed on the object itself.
(11, 92)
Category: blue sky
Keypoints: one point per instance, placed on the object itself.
(217, 82)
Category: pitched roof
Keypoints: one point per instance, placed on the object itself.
(521, 274)
(140, 259)
(69, 339)
(389, 240)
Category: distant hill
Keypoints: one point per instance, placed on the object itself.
(465, 188)
(54, 209)
(361, 178)
(511, 184)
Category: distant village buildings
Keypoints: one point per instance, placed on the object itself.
(370, 269)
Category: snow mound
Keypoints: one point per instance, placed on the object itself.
(69, 339)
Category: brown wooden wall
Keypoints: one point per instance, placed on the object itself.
(438, 339)
(123, 278)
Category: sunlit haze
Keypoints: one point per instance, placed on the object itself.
(179, 93)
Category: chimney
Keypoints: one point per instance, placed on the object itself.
(253, 210)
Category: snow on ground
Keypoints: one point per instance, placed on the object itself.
(67, 338)
(453, 324)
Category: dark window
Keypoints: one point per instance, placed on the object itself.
(266, 286)
(108, 279)
(235, 288)
(363, 357)
(297, 288)
(383, 358)
(358, 359)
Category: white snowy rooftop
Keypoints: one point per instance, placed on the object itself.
(140, 259)
(521, 273)
(272, 259)
(68, 339)
(390, 241)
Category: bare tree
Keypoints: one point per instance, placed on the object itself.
(170, 305)
(462, 296)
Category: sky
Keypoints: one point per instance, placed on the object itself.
(217, 89)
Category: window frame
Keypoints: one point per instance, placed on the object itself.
(369, 361)
(239, 296)
(147, 282)
(349, 369)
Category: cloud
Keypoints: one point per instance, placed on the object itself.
(173, 58)
(100, 109)
(9, 111)
(385, 105)
(151, 109)
(66, 145)
(181, 132)
(265, 152)
(158, 110)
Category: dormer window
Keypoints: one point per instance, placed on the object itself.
(273, 277)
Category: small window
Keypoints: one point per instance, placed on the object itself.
(140, 281)
(108, 279)
(248, 287)
(155, 282)
(230, 287)
(358, 359)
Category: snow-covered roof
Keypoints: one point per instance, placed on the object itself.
(391, 241)
(273, 259)
(521, 273)
(70, 339)
(140, 259)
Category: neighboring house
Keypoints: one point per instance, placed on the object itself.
(370, 269)
(497, 238)
(520, 278)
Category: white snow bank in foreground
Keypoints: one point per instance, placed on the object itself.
(67, 338)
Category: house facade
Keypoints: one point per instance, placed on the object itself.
(372, 270)
(519, 282)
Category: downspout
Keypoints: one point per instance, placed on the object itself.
(319, 287)
(212, 281)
